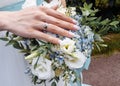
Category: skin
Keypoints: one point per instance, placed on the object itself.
(63, 2)
(29, 23)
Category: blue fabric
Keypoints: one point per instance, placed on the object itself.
(16, 6)
(87, 63)
(13, 7)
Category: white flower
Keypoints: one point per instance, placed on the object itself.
(87, 28)
(43, 69)
(75, 60)
(73, 11)
(51, 4)
(67, 45)
(61, 9)
(29, 3)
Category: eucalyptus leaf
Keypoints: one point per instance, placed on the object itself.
(4, 39)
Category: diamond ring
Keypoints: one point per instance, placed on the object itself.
(45, 26)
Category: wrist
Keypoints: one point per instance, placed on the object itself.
(2, 23)
(4, 19)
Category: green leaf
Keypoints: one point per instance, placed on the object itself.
(97, 37)
(91, 18)
(32, 55)
(4, 39)
(98, 47)
(7, 33)
(34, 80)
(53, 84)
(24, 51)
(106, 21)
(16, 45)
(114, 23)
(36, 63)
(103, 45)
(21, 45)
(10, 42)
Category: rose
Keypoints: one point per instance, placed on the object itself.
(67, 45)
(75, 60)
(43, 68)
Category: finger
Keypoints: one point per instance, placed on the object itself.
(54, 29)
(42, 36)
(54, 7)
(58, 15)
(63, 3)
(59, 23)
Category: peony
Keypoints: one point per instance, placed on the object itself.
(67, 45)
(43, 68)
(75, 60)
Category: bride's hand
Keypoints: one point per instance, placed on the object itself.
(63, 2)
(31, 22)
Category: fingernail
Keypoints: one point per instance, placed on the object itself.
(76, 27)
(60, 41)
(75, 22)
(71, 34)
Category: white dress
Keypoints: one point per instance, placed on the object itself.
(12, 63)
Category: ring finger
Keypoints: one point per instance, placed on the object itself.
(53, 28)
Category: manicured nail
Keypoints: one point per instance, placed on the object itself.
(60, 41)
(72, 34)
(75, 22)
(76, 27)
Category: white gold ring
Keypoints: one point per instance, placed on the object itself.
(45, 26)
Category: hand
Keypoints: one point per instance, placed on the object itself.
(30, 23)
(63, 2)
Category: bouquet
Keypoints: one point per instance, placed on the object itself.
(55, 63)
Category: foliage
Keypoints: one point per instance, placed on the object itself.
(97, 3)
(113, 42)
(99, 26)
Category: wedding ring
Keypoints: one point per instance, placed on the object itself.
(45, 26)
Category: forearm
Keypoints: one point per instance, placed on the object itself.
(4, 18)
(2, 21)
